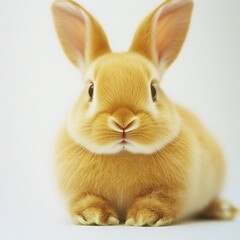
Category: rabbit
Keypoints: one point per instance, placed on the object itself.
(127, 153)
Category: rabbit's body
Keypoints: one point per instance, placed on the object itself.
(126, 151)
(190, 167)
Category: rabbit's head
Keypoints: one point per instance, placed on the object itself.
(121, 106)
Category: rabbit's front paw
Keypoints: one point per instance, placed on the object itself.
(151, 211)
(148, 217)
(93, 210)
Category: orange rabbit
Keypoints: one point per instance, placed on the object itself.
(127, 153)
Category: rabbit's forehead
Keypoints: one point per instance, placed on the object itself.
(120, 68)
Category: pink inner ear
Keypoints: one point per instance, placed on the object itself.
(171, 27)
(163, 36)
(73, 32)
(77, 33)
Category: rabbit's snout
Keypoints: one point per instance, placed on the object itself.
(123, 121)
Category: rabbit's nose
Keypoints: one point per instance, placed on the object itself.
(123, 120)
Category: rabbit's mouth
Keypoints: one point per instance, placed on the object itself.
(123, 142)
(125, 145)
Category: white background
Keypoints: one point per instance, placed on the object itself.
(38, 87)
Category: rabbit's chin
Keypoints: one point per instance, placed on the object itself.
(118, 147)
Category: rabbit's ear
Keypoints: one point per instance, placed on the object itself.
(162, 33)
(81, 36)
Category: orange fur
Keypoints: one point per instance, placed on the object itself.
(171, 168)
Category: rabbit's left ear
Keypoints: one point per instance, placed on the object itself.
(162, 33)
(81, 36)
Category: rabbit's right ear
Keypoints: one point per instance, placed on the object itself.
(162, 33)
(81, 36)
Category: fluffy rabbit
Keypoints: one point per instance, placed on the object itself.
(127, 153)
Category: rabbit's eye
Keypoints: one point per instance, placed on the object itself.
(90, 91)
(154, 93)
